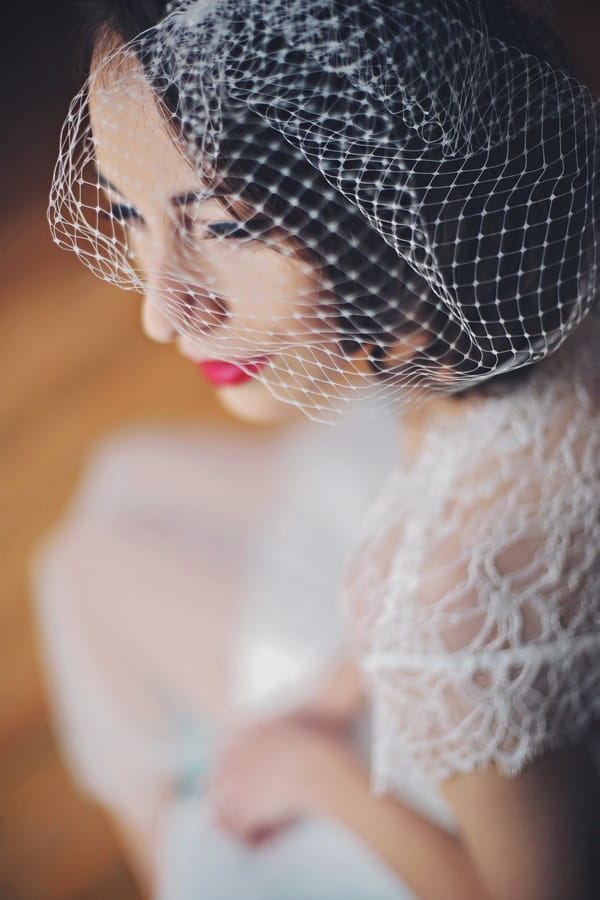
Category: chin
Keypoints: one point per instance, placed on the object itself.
(253, 403)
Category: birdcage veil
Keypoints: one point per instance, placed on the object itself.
(410, 191)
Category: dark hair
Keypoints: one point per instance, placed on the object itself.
(371, 312)
(124, 18)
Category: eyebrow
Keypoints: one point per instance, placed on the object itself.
(195, 196)
(102, 180)
(183, 199)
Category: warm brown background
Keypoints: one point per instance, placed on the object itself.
(72, 366)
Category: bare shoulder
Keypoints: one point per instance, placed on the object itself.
(534, 835)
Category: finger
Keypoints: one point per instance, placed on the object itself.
(263, 836)
(223, 799)
(229, 820)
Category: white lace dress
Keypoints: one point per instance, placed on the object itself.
(472, 598)
(474, 595)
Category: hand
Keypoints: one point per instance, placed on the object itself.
(271, 773)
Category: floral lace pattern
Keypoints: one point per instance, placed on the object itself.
(475, 592)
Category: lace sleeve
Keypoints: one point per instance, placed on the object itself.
(476, 598)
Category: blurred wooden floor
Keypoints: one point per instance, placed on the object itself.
(73, 365)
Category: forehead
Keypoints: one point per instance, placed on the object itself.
(136, 147)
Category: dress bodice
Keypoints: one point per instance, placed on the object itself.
(474, 593)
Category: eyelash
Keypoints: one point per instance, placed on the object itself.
(228, 230)
(232, 230)
(256, 229)
(125, 214)
(122, 213)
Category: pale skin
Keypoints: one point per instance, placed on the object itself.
(530, 837)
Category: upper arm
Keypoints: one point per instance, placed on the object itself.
(481, 642)
(535, 835)
(476, 593)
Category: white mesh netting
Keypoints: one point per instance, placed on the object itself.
(340, 198)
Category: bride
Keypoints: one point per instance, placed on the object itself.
(325, 203)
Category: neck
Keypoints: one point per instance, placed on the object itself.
(417, 419)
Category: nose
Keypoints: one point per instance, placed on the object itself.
(177, 306)
(155, 323)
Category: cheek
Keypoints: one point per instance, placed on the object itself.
(258, 281)
(261, 288)
(254, 403)
(145, 253)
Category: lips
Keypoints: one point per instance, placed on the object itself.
(226, 374)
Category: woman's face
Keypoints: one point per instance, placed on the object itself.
(250, 311)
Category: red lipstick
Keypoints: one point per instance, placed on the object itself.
(225, 374)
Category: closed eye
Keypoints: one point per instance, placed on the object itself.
(253, 229)
(122, 213)
(228, 230)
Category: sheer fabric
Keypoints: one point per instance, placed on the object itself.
(424, 170)
(474, 595)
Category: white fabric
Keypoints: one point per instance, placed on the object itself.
(123, 589)
(315, 860)
(291, 626)
(475, 593)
